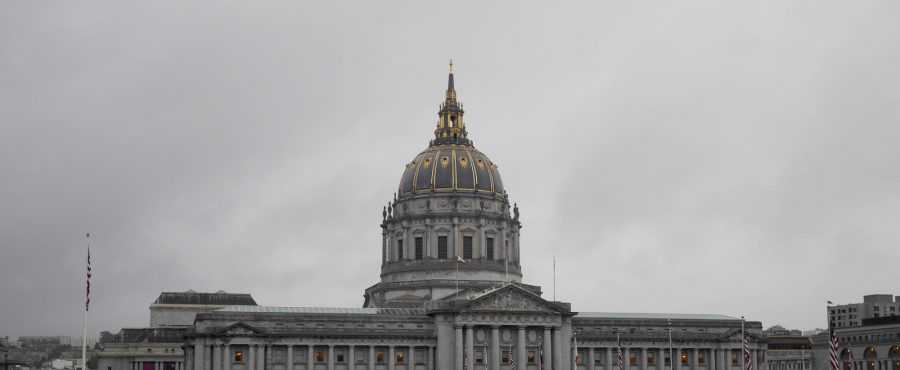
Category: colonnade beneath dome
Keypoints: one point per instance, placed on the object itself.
(492, 350)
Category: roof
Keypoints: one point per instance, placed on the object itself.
(151, 335)
(649, 316)
(327, 310)
(219, 298)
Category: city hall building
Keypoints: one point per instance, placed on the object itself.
(429, 311)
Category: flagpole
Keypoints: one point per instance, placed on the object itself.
(671, 355)
(457, 277)
(86, 305)
(743, 347)
(575, 351)
(554, 278)
(506, 261)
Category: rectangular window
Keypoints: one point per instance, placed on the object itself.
(320, 356)
(379, 357)
(442, 247)
(339, 356)
(530, 357)
(684, 358)
(420, 248)
(479, 356)
(598, 357)
(505, 358)
(238, 356)
(668, 358)
(489, 249)
(632, 358)
(400, 357)
(734, 358)
(701, 358)
(877, 308)
(399, 249)
(420, 356)
(467, 247)
(300, 356)
(650, 358)
(360, 356)
(278, 355)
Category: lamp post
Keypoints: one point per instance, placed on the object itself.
(671, 353)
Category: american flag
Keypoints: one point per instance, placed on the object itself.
(512, 363)
(542, 356)
(748, 361)
(619, 354)
(849, 357)
(87, 293)
(465, 361)
(833, 351)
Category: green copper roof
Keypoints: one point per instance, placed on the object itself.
(650, 316)
(327, 310)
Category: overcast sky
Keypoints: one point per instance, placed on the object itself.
(740, 158)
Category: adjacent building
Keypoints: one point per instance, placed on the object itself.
(160, 346)
(789, 352)
(873, 345)
(451, 296)
(873, 306)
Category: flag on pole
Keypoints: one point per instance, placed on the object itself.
(542, 356)
(460, 260)
(748, 361)
(619, 358)
(465, 361)
(512, 363)
(850, 357)
(87, 293)
(833, 351)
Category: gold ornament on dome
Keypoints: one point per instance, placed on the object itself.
(445, 161)
(464, 162)
(480, 163)
(427, 162)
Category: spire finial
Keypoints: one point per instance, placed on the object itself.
(451, 66)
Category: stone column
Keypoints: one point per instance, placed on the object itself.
(495, 348)
(371, 358)
(695, 361)
(676, 357)
(391, 360)
(557, 348)
(660, 359)
(548, 348)
(195, 360)
(411, 362)
(521, 354)
(626, 358)
(263, 353)
(590, 358)
(643, 354)
(330, 357)
(431, 359)
(351, 360)
(310, 357)
(251, 357)
(227, 357)
(609, 359)
(289, 360)
(470, 345)
(457, 359)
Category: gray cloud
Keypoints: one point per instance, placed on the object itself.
(704, 157)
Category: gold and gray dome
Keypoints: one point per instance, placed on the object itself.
(450, 163)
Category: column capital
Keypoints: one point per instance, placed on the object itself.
(521, 327)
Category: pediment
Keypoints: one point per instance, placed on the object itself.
(241, 329)
(512, 298)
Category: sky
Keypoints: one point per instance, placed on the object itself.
(738, 158)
